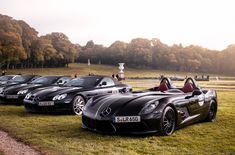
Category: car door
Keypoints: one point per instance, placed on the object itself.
(106, 85)
(196, 103)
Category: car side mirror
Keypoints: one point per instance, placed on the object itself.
(60, 82)
(197, 92)
(104, 83)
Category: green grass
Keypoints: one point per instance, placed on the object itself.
(62, 134)
(82, 69)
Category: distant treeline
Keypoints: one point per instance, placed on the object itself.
(153, 53)
(20, 46)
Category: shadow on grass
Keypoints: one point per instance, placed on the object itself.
(70, 128)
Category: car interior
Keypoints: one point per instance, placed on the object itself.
(166, 85)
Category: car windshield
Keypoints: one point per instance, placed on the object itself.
(44, 80)
(19, 78)
(83, 82)
(4, 78)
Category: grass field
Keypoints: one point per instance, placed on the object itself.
(62, 134)
(82, 69)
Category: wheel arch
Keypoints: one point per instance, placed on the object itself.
(80, 94)
(176, 113)
(216, 104)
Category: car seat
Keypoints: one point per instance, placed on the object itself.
(188, 87)
(163, 87)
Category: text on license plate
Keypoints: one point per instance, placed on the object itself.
(124, 119)
(46, 103)
(12, 96)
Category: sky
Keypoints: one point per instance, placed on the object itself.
(208, 23)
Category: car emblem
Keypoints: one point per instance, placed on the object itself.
(106, 111)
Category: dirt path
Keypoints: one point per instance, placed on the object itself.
(10, 146)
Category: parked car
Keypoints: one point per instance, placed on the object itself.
(13, 81)
(158, 110)
(5, 78)
(73, 95)
(17, 79)
(16, 93)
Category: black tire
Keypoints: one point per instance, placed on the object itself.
(168, 122)
(212, 112)
(78, 105)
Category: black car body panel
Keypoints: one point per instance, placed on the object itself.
(17, 93)
(126, 113)
(90, 86)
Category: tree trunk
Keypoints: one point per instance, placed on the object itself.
(8, 64)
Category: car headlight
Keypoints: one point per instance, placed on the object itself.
(149, 108)
(3, 82)
(88, 103)
(22, 91)
(59, 97)
(28, 96)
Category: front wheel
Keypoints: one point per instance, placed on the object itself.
(168, 122)
(212, 112)
(78, 105)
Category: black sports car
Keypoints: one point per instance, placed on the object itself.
(5, 78)
(17, 79)
(162, 109)
(73, 95)
(13, 81)
(17, 93)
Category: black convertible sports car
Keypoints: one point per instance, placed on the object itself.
(162, 109)
(73, 95)
(17, 93)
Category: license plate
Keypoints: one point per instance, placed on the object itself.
(46, 103)
(127, 119)
(12, 96)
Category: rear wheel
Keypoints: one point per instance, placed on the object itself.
(212, 112)
(78, 105)
(168, 121)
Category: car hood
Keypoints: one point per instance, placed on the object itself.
(55, 90)
(122, 104)
(3, 82)
(23, 87)
(8, 83)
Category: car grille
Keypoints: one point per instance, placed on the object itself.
(130, 127)
(35, 98)
(103, 126)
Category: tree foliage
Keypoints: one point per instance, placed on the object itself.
(20, 46)
(155, 54)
